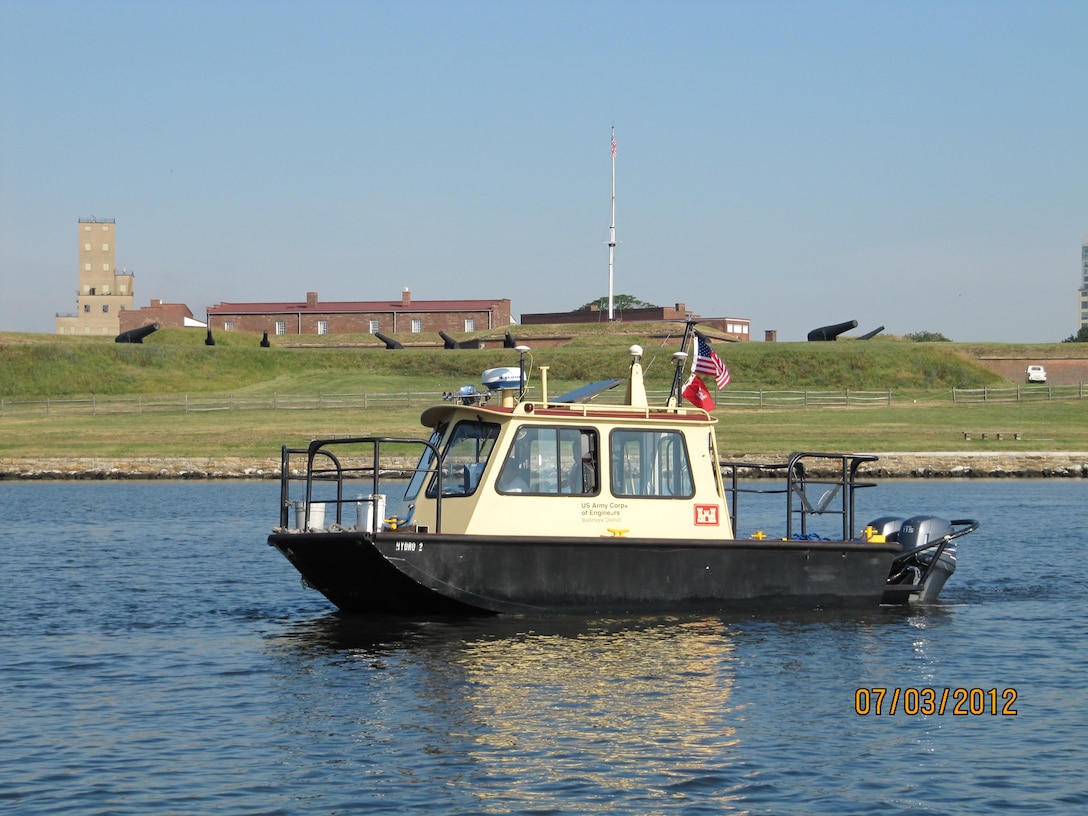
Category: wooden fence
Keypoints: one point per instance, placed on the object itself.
(730, 397)
(1020, 393)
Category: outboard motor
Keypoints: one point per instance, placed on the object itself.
(916, 566)
(887, 526)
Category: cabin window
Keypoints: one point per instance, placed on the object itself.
(551, 461)
(322, 327)
(464, 456)
(650, 464)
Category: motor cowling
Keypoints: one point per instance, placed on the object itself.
(887, 526)
(919, 530)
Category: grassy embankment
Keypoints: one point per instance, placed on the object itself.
(920, 377)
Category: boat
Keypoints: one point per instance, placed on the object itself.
(578, 505)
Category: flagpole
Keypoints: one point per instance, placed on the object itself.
(612, 228)
(677, 379)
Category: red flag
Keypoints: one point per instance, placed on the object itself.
(696, 392)
(707, 362)
(613, 146)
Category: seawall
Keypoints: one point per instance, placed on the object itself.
(938, 465)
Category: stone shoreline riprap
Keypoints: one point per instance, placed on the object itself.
(937, 465)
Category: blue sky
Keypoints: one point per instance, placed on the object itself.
(917, 165)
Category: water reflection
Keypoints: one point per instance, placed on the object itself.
(540, 713)
(546, 709)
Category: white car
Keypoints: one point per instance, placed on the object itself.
(1036, 374)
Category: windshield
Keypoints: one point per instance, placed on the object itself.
(464, 456)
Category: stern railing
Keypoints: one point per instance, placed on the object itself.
(333, 460)
(833, 473)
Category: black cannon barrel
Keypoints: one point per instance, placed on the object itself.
(833, 331)
(390, 343)
(509, 342)
(449, 341)
(136, 335)
(872, 334)
(264, 341)
(209, 340)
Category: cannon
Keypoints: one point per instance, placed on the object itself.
(209, 340)
(264, 341)
(833, 331)
(390, 343)
(509, 341)
(136, 335)
(872, 334)
(450, 343)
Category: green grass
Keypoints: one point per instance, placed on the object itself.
(176, 362)
(1043, 426)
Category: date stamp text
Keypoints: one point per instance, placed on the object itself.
(960, 702)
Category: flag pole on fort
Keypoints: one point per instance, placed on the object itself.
(612, 228)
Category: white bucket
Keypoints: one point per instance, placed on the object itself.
(365, 520)
(317, 516)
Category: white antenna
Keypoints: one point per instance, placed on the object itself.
(612, 228)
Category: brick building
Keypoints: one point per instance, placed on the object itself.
(738, 327)
(167, 315)
(360, 317)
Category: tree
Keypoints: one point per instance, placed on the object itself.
(927, 337)
(618, 302)
(1080, 337)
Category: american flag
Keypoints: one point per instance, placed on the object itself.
(707, 362)
(613, 147)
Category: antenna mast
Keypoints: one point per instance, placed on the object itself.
(612, 228)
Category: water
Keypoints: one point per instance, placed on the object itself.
(157, 657)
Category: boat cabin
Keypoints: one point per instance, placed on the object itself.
(516, 467)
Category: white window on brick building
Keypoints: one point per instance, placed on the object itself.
(375, 326)
(470, 324)
(281, 327)
(322, 327)
(417, 325)
(228, 325)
